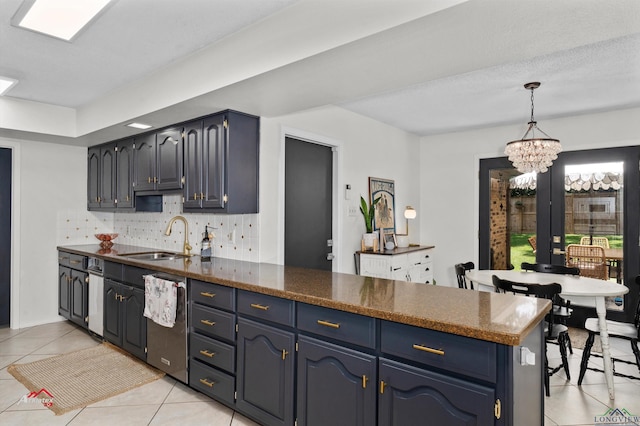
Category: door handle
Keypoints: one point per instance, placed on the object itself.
(558, 251)
(330, 256)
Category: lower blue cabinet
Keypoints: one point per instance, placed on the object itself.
(336, 385)
(265, 372)
(410, 395)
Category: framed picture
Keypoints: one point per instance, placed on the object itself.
(384, 189)
(390, 238)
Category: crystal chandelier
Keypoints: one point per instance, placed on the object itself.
(535, 153)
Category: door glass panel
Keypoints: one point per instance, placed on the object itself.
(594, 216)
(522, 218)
(512, 218)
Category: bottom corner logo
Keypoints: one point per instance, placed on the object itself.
(617, 416)
(42, 396)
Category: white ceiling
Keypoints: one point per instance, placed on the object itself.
(426, 67)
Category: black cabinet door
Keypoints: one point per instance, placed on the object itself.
(193, 165)
(112, 331)
(265, 363)
(409, 395)
(64, 291)
(169, 159)
(134, 324)
(144, 163)
(107, 192)
(213, 168)
(124, 174)
(93, 178)
(336, 385)
(79, 307)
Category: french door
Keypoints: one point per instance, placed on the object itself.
(588, 197)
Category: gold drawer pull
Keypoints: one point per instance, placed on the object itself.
(206, 382)
(207, 322)
(261, 307)
(328, 324)
(430, 350)
(364, 381)
(207, 294)
(284, 354)
(207, 353)
(382, 385)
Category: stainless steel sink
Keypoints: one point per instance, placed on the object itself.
(153, 255)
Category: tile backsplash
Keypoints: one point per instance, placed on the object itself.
(236, 236)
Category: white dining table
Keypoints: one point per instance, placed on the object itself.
(587, 290)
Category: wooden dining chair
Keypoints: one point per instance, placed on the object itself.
(553, 332)
(461, 269)
(616, 330)
(595, 241)
(589, 259)
(561, 307)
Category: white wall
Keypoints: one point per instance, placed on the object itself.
(52, 178)
(449, 176)
(366, 147)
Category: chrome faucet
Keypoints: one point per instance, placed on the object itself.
(186, 250)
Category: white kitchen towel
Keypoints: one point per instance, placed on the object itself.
(160, 300)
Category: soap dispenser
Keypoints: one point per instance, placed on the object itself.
(205, 251)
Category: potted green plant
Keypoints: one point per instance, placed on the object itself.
(368, 212)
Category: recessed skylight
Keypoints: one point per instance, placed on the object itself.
(60, 18)
(6, 83)
(139, 126)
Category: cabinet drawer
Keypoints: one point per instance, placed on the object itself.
(265, 307)
(463, 355)
(214, 295)
(419, 257)
(213, 352)
(212, 382)
(74, 261)
(213, 322)
(345, 326)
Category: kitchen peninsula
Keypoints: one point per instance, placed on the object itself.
(314, 346)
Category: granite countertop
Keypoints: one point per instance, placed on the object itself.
(493, 317)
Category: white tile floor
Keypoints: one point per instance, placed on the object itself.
(169, 402)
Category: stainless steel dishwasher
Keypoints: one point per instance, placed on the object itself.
(167, 347)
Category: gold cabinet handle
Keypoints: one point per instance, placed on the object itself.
(195, 196)
(382, 385)
(206, 382)
(155, 179)
(284, 354)
(207, 322)
(207, 294)
(86, 279)
(202, 195)
(427, 349)
(497, 409)
(149, 179)
(75, 262)
(329, 324)
(207, 353)
(261, 307)
(364, 381)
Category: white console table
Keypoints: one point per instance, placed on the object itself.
(414, 263)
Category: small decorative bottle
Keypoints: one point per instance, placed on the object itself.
(205, 251)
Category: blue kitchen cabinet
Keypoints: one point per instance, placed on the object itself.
(336, 385)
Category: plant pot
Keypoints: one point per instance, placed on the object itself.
(403, 240)
(369, 239)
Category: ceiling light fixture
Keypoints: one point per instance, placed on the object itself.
(139, 126)
(534, 154)
(6, 83)
(58, 18)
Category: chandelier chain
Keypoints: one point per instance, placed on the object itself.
(532, 119)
